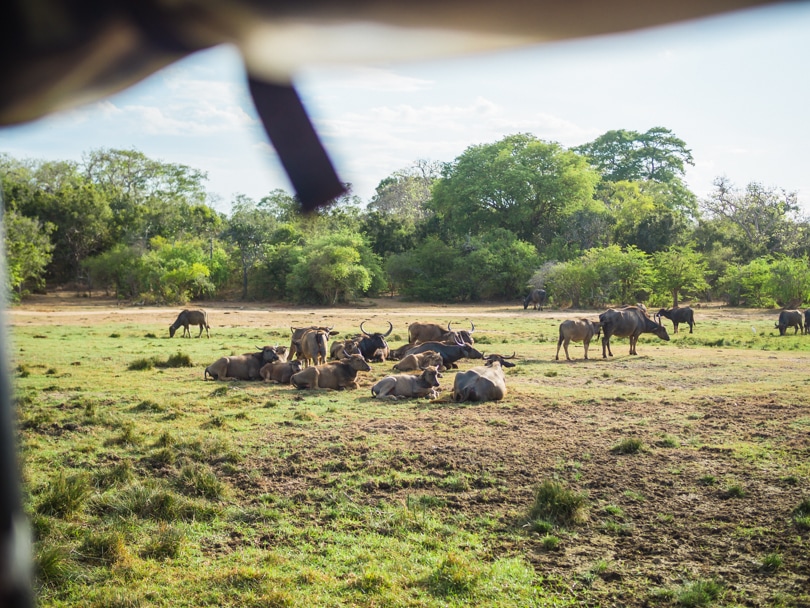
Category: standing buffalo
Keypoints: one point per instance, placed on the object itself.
(431, 332)
(190, 317)
(578, 330)
(790, 318)
(536, 297)
(403, 386)
(807, 321)
(677, 316)
(336, 376)
(298, 333)
(374, 346)
(629, 322)
(484, 383)
(241, 367)
(311, 347)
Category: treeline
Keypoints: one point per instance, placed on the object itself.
(607, 222)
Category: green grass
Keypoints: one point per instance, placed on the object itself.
(150, 486)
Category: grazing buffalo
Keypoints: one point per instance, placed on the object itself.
(578, 330)
(298, 333)
(629, 322)
(373, 346)
(536, 297)
(483, 383)
(450, 353)
(431, 332)
(677, 316)
(790, 318)
(336, 376)
(411, 363)
(807, 321)
(280, 371)
(190, 317)
(241, 367)
(404, 386)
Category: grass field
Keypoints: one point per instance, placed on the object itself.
(679, 477)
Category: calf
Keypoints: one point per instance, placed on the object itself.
(413, 362)
(336, 376)
(280, 372)
(677, 316)
(578, 330)
(790, 318)
(404, 386)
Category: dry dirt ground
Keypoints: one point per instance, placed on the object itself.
(657, 519)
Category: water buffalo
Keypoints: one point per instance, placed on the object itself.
(410, 363)
(311, 347)
(450, 353)
(483, 383)
(536, 297)
(336, 376)
(629, 322)
(241, 367)
(578, 330)
(280, 371)
(190, 317)
(431, 332)
(298, 333)
(677, 316)
(349, 345)
(807, 321)
(370, 344)
(790, 318)
(404, 386)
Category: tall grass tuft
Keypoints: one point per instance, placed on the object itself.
(104, 548)
(176, 360)
(801, 515)
(454, 576)
(167, 543)
(555, 503)
(629, 445)
(53, 566)
(65, 495)
(200, 480)
(699, 593)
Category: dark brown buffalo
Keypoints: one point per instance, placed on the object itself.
(790, 318)
(628, 322)
(677, 316)
(190, 317)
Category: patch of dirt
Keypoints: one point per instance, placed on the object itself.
(678, 520)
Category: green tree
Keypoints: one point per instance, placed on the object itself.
(789, 281)
(757, 221)
(679, 270)
(336, 267)
(405, 193)
(28, 251)
(656, 155)
(519, 183)
(249, 229)
(748, 284)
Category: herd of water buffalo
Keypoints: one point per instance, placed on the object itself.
(311, 362)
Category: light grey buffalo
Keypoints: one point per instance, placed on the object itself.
(241, 367)
(405, 386)
(628, 322)
(190, 317)
(789, 318)
(578, 330)
(483, 383)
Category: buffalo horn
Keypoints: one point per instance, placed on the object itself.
(363, 331)
(390, 329)
(472, 327)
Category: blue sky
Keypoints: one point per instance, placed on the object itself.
(735, 88)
